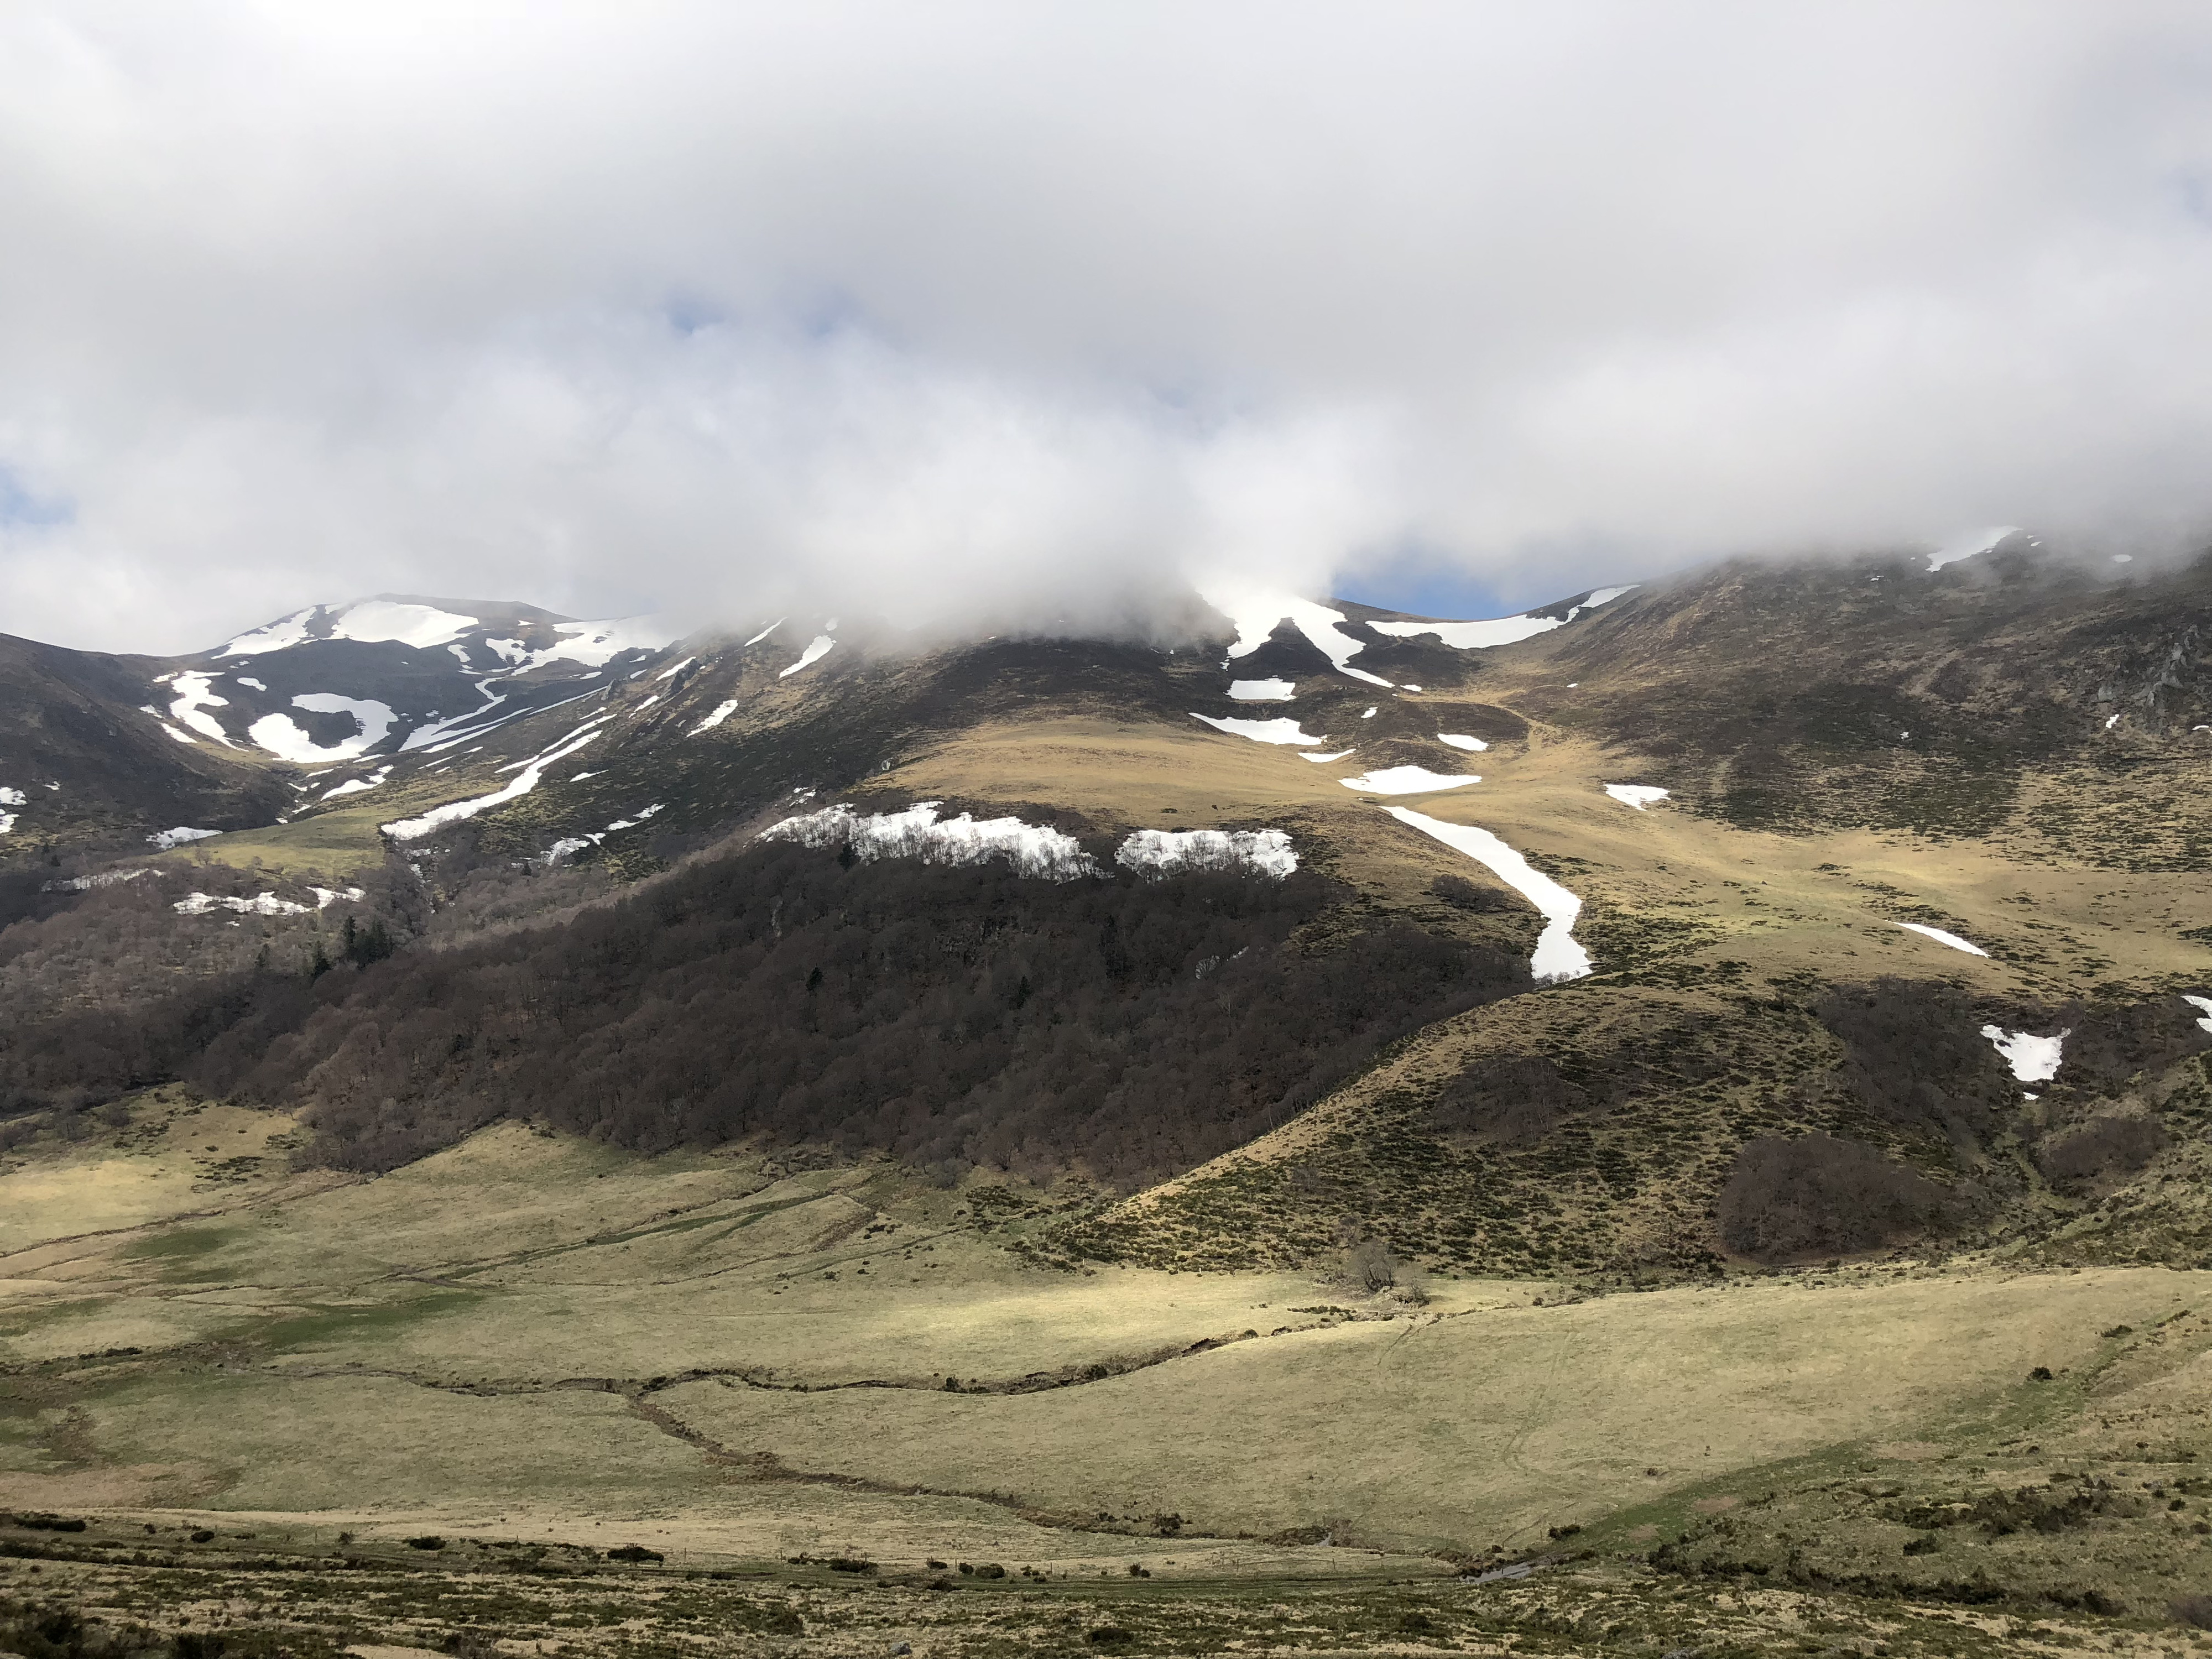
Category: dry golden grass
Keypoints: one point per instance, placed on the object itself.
(1466, 1431)
(399, 1346)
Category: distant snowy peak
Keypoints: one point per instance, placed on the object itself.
(435, 671)
(507, 639)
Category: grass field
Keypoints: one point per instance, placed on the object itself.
(541, 1341)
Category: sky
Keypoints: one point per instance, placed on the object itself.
(1033, 310)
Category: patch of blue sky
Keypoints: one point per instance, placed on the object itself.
(20, 505)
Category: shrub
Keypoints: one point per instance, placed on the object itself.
(1513, 1097)
(1914, 1056)
(1818, 1196)
(2104, 1148)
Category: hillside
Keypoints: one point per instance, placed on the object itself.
(878, 1071)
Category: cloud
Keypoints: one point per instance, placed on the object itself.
(1027, 309)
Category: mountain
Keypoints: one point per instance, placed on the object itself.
(1715, 816)
(1679, 1119)
(130, 747)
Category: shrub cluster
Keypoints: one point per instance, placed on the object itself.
(1816, 1195)
(949, 1016)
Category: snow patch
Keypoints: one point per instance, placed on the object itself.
(819, 648)
(379, 621)
(524, 782)
(1638, 795)
(244, 679)
(666, 672)
(596, 644)
(1458, 740)
(194, 694)
(1498, 631)
(1285, 730)
(7, 822)
(13, 797)
(1473, 635)
(326, 897)
(163, 839)
(282, 736)
(1262, 690)
(1258, 613)
(105, 878)
(1943, 938)
(2204, 1006)
(1558, 957)
(765, 632)
(261, 904)
(1035, 850)
(1970, 545)
(1323, 760)
(273, 636)
(2033, 1058)
(1175, 851)
(359, 786)
(722, 712)
(1407, 780)
(632, 824)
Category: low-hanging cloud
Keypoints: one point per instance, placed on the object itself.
(1024, 309)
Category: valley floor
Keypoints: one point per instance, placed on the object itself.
(809, 1396)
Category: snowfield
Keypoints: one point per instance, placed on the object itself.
(1257, 613)
(1035, 850)
(280, 735)
(380, 622)
(1285, 730)
(1407, 780)
(1262, 690)
(276, 636)
(596, 644)
(524, 782)
(816, 649)
(195, 693)
(1559, 956)
(1175, 852)
(1499, 630)
(359, 786)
